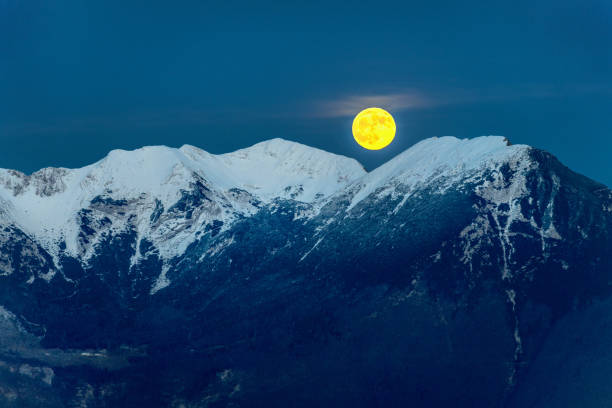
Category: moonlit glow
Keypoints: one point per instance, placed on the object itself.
(373, 128)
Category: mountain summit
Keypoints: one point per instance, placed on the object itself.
(454, 274)
(46, 204)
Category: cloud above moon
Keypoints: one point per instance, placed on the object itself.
(349, 105)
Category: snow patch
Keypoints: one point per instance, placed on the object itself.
(162, 281)
(518, 348)
(47, 276)
(311, 249)
(217, 248)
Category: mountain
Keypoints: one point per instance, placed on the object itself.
(467, 273)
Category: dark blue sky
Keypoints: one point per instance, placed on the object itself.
(79, 78)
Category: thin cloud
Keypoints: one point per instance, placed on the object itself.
(349, 105)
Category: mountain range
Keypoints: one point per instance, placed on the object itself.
(465, 273)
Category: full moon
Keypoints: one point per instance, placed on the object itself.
(373, 128)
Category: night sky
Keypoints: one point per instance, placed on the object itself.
(80, 78)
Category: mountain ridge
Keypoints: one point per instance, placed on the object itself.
(436, 279)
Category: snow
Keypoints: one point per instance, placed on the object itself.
(518, 348)
(47, 276)
(435, 158)
(474, 236)
(162, 281)
(311, 249)
(217, 248)
(268, 168)
(46, 203)
(500, 191)
(551, 231)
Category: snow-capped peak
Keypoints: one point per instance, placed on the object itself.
(133, 187)
(281, 168)
(265, 170)
(438, 157)
(46, 204)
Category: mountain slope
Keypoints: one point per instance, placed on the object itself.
(283, 273)
(139, 186)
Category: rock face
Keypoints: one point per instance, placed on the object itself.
(466, 273)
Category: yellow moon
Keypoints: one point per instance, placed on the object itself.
(374, 128)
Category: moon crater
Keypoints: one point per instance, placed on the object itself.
(373, 128)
